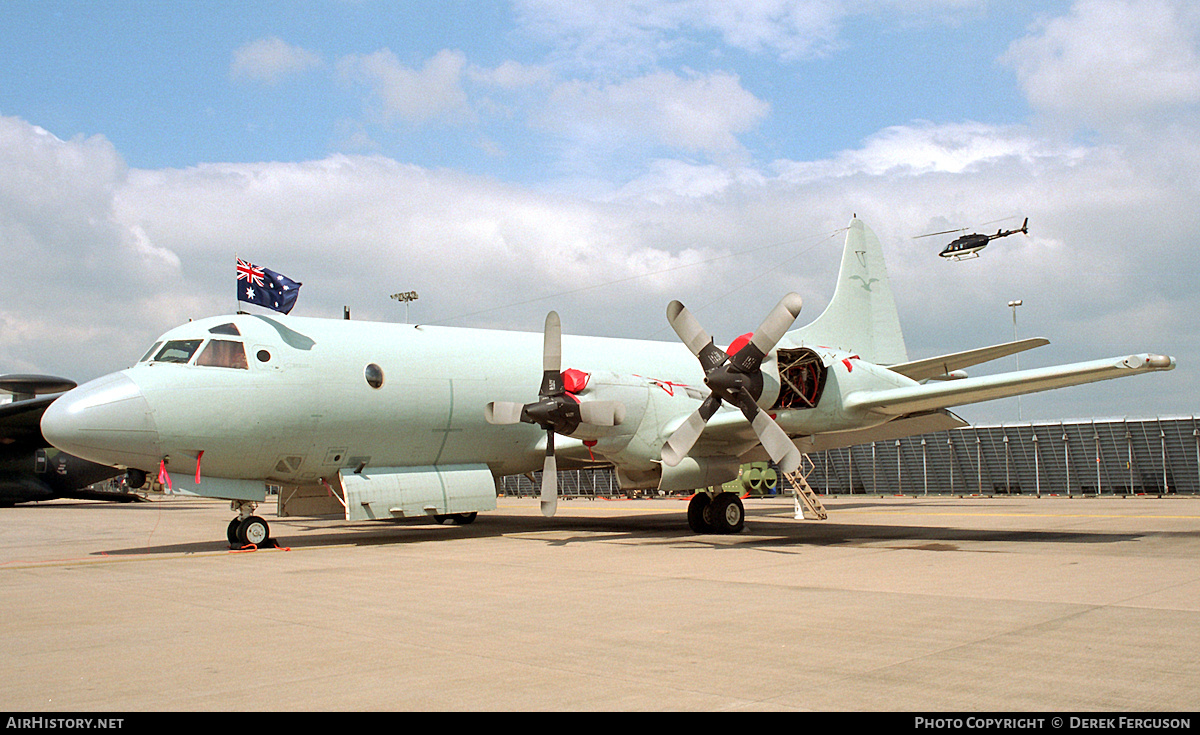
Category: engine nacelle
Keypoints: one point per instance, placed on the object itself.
(696, 473)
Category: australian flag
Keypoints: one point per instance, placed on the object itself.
(265, 287)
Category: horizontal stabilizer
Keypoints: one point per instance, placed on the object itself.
(930, 396)
(933, 367)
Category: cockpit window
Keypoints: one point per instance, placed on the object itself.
(230, 329)
(177, 350)
(224, 353)
(153, 348)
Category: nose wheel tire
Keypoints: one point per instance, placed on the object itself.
(248, 531)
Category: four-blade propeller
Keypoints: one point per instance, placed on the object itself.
(735, 379)
(556, 410)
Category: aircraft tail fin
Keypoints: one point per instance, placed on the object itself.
(861, 318)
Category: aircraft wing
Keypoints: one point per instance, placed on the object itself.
(920, 423)
(933, 367)
(930, 396)
(728, 435)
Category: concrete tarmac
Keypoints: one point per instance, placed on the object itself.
(895, 604)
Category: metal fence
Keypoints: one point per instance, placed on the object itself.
(589, 483)
(1116, 456)
(1099, 456)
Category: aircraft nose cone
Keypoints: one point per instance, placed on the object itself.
(107, 420)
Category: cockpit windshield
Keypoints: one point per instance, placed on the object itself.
(177, 350)
(224, 353)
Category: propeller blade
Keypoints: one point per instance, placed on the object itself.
(549, 479)
(777, 443)
(777, 323)
(602, 413)
(681, 442)
(693, 335)
(552, 383)
(503, 412)
(687, 327)
(552, 343)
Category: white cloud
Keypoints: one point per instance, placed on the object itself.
(700, 113)
(668, 179)
(66, 252)
(616, 37)
(270, 60)
(790, 29)
(1110, 61)
(416, 96)
(512, 75)
(923, 148)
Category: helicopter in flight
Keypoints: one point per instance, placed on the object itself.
(968, 246)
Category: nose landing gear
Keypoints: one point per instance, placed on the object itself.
(248, 529)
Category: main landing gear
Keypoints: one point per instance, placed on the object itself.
(720, 512)
(248, 529)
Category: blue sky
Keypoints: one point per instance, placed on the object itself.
(158, 79)
(602, 158)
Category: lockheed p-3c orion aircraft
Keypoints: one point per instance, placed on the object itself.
(382, 421)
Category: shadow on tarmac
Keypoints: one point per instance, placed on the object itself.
(766, 529)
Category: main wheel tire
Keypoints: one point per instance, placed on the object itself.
(728, 514)
(462, 519)
(231, 533)
(697, 513)
(253, 531)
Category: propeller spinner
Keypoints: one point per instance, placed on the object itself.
(556, 410)
(735, 379)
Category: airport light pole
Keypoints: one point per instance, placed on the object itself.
(406, 297)
(1013, 305)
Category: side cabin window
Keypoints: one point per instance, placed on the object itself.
(223, 353)
(177, 350)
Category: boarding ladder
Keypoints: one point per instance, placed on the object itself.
(808, 505)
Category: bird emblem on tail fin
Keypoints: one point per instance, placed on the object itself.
(866, 285)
